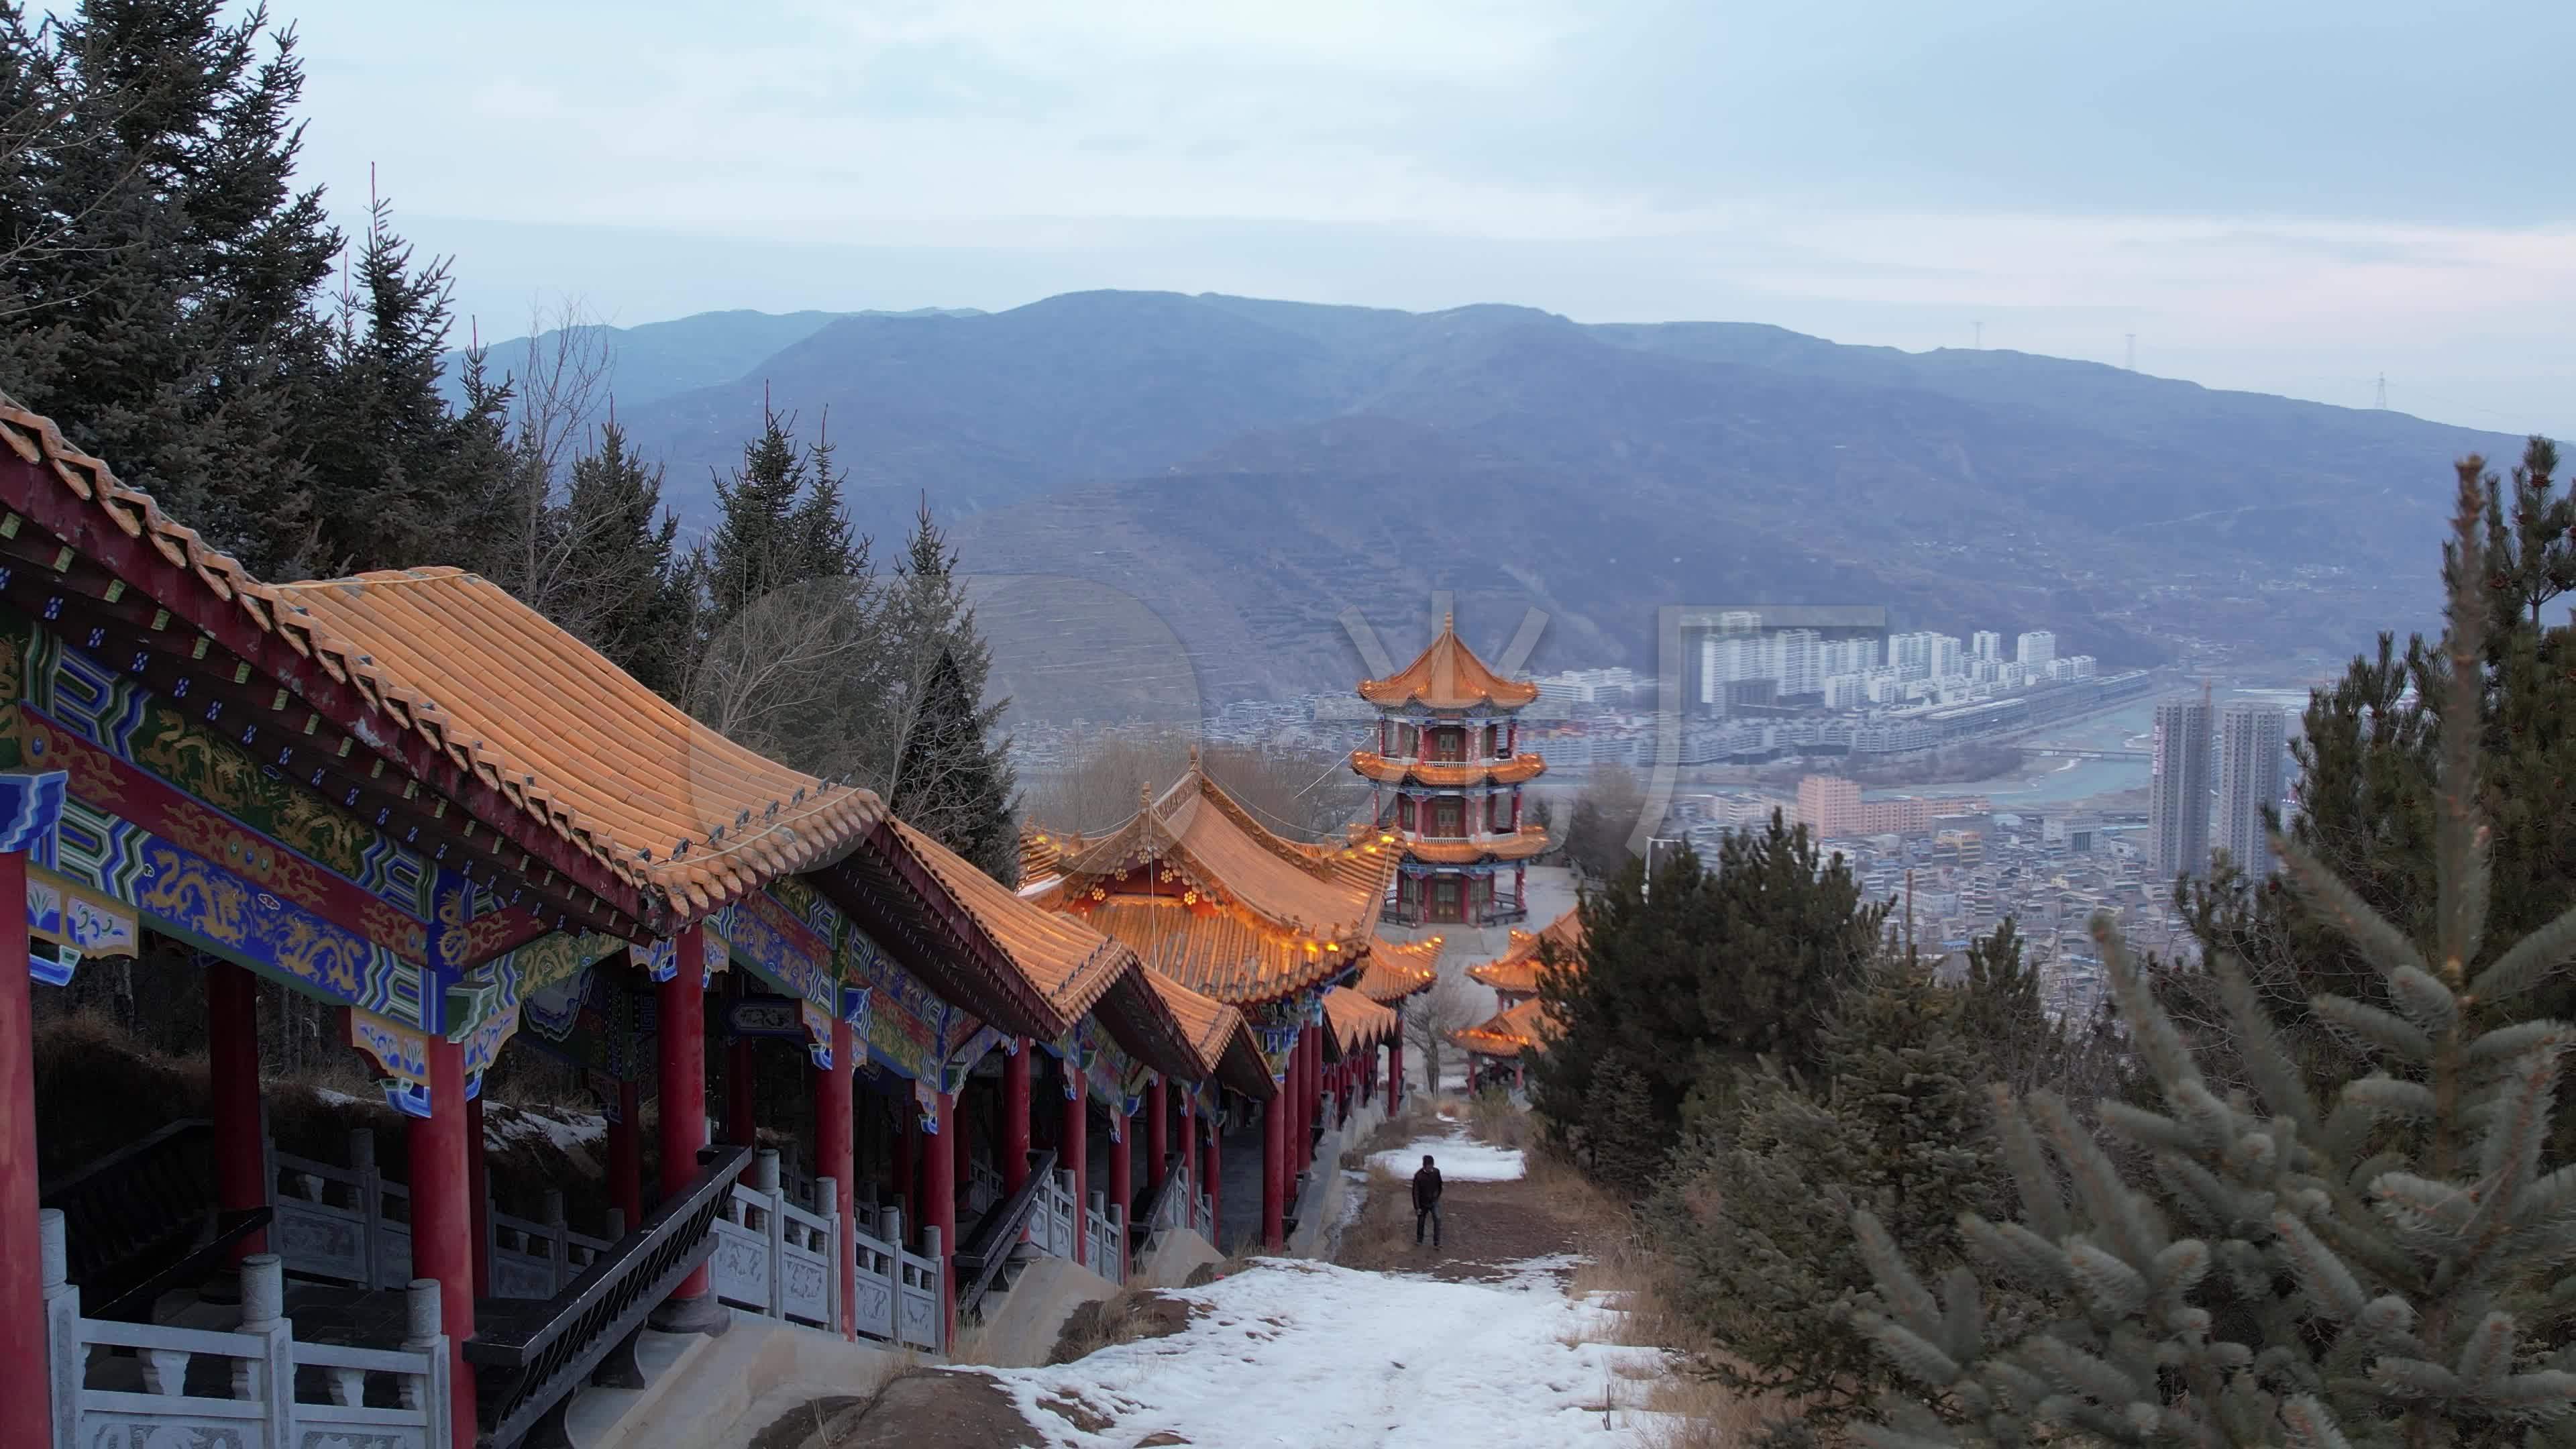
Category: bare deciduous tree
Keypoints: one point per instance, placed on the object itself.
(1431, 1019)
(1303, 793)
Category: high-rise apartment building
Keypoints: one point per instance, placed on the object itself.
(1986, 644)
(2249, 778)
(2178, 790)
(2035, 649)
(1800, 661)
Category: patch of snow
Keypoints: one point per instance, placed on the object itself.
(1355, 1190)
(344, 1099)
(1306, 1354)
(571, 1131)
(1459, 1158)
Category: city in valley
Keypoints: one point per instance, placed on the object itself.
(1967, 779)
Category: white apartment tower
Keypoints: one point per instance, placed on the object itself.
(1986, 644)
(1800, 661)
(2034, 650)
(2177, 790)
(2249, 778)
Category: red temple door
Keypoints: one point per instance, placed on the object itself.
(1446, 899)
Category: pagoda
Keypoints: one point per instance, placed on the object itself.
(1282, 931)
(1522, 1027)
(1448, 773)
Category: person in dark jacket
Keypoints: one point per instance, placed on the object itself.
(1426, 1201)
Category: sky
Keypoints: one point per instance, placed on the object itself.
(2287, 196)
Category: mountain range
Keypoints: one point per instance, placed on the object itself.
(1215, 480)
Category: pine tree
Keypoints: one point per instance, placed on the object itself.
(621, 552)
(1891, 1120)
(1624, 1147)
(158, 268)
(755, 551)
(789, 655)
(1690, 976)
(401, 480)
(2369, 781)
(2384, 1263)
(952, 777)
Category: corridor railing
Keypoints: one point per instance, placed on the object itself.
(996, 1236)
(140, 1383)
(530, 1359)
(774, 1257)
(349, 1225)
(140, 1220)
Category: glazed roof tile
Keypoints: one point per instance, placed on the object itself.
(1509, 1033)
(1220, 1038)
(1357, 1022)
(511, 700)
(578, 740)
(1516, 970)
(1071, 964)
(1395, 970)
(1210, 897)
(1447, 675)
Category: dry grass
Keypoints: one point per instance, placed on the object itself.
(1125, 1316)
(1491, 1117)
(1631, 1273)
(1381, 1236)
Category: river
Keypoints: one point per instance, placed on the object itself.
(2131, 727)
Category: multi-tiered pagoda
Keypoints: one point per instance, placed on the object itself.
(1448, 774)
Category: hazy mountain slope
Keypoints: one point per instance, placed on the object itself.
(1247, 468)
(652, 361)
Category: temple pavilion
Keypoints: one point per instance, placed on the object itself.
(409, 797)
(1447, 775)
(1499, 1047)
(1283, 931)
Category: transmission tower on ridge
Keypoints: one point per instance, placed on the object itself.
(2381, 402)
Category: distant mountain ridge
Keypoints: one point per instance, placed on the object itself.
(1247, 469)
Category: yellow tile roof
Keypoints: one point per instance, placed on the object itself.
(1516, 970)
(1447, 675)
(546, 735)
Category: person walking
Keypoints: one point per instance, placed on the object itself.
(1426, 1201)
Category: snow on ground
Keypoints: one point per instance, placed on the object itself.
(1460, 1160)
(1305, 1354)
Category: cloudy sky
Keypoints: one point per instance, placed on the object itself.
(2294, 196)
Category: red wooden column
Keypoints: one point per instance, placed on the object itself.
(626, 1156)
(1395, 1068)
(1314, 1038)
(1075, 1153)
(681, 1037)
(1157, 1148)
(939, 1191)
(26, 1409)
(835, 1163)
(442, 1218)
(1274, 1160)
(1015, 1116)
(478, 1194)
(232, 1077)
